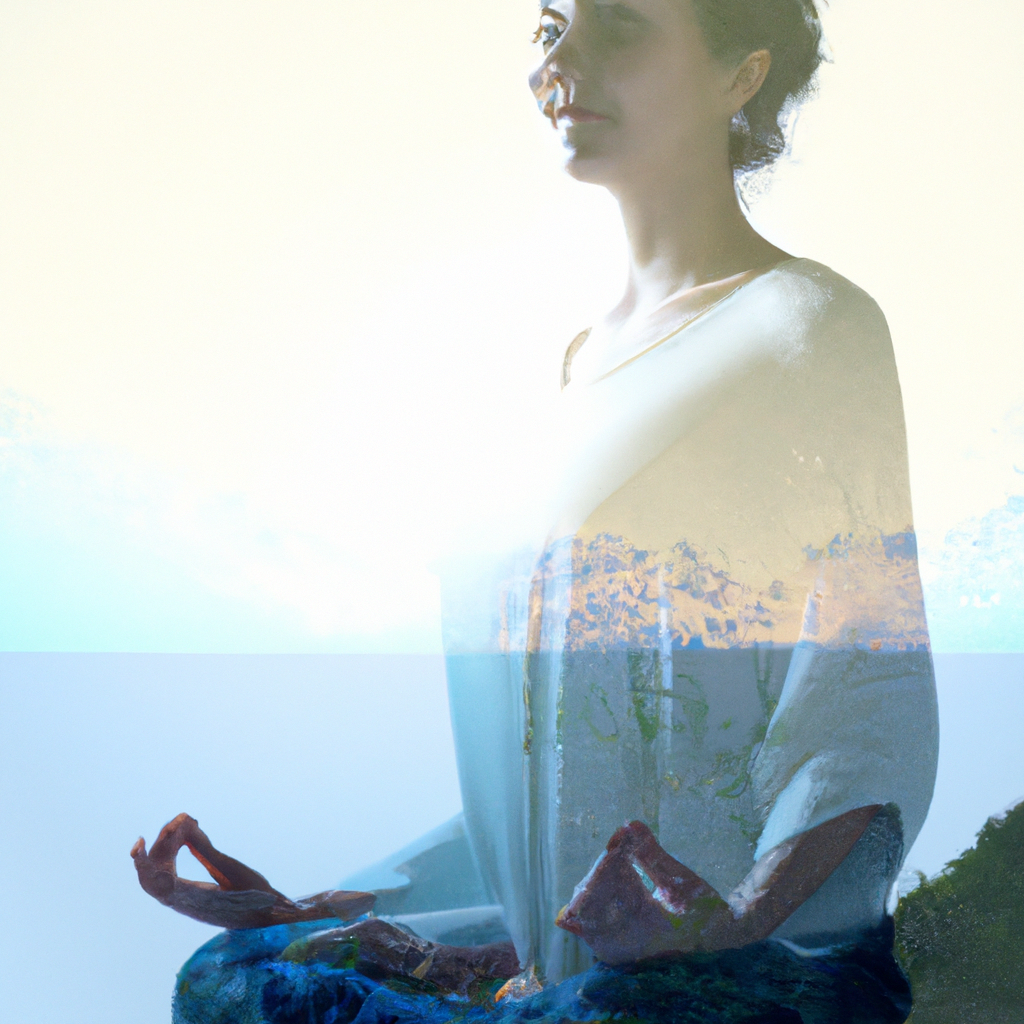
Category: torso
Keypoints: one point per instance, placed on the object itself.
(632, 664)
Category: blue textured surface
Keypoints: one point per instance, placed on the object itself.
(239, 978)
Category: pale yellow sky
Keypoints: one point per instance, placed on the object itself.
(274, 277)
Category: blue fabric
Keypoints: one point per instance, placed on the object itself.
(240, 978)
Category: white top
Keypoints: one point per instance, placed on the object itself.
(717, 626)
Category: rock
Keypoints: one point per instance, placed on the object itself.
(960, 935)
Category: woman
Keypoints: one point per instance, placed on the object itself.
(722, 635)
(711, 622)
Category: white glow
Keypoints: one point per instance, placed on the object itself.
(278, 282)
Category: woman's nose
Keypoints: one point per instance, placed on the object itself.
(552, 90)
(557, 74)
(539, 79)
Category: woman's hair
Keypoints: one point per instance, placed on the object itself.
(791, 32)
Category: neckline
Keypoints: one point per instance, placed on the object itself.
(580, 339)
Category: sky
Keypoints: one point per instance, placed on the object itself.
(276, 280)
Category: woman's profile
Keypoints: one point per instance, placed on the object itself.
(692, 697)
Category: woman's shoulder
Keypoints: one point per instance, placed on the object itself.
(818, 297)
(842, 370)
(812, 319)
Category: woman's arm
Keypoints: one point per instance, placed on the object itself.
(238, 897)
(854, 732)
(639, 901)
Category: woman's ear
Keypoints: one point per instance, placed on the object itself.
(748, 78)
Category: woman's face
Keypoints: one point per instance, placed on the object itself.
(632, 88)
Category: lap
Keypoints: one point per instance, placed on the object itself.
(278, 976)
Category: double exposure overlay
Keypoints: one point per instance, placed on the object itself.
(688, 663)
(723, 635)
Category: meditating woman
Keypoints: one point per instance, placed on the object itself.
(692, 699)
(719, 631)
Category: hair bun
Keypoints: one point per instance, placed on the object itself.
(791, 31)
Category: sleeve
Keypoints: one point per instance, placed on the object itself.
(857, 720)
(854, 728)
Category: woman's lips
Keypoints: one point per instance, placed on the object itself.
(577, 115)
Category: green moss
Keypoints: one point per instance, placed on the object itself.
(960, 936)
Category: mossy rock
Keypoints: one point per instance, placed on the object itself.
(960, 936)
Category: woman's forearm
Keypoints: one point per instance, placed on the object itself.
(638, 901)
(786, 876)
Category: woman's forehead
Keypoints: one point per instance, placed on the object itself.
(562, 5)
(565, 8)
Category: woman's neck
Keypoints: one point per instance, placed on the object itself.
(683, 233)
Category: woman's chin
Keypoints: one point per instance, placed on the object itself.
(590, 153)
(593, 168)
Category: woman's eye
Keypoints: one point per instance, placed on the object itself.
(548, 33)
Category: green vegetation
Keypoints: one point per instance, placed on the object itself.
(960, 936)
